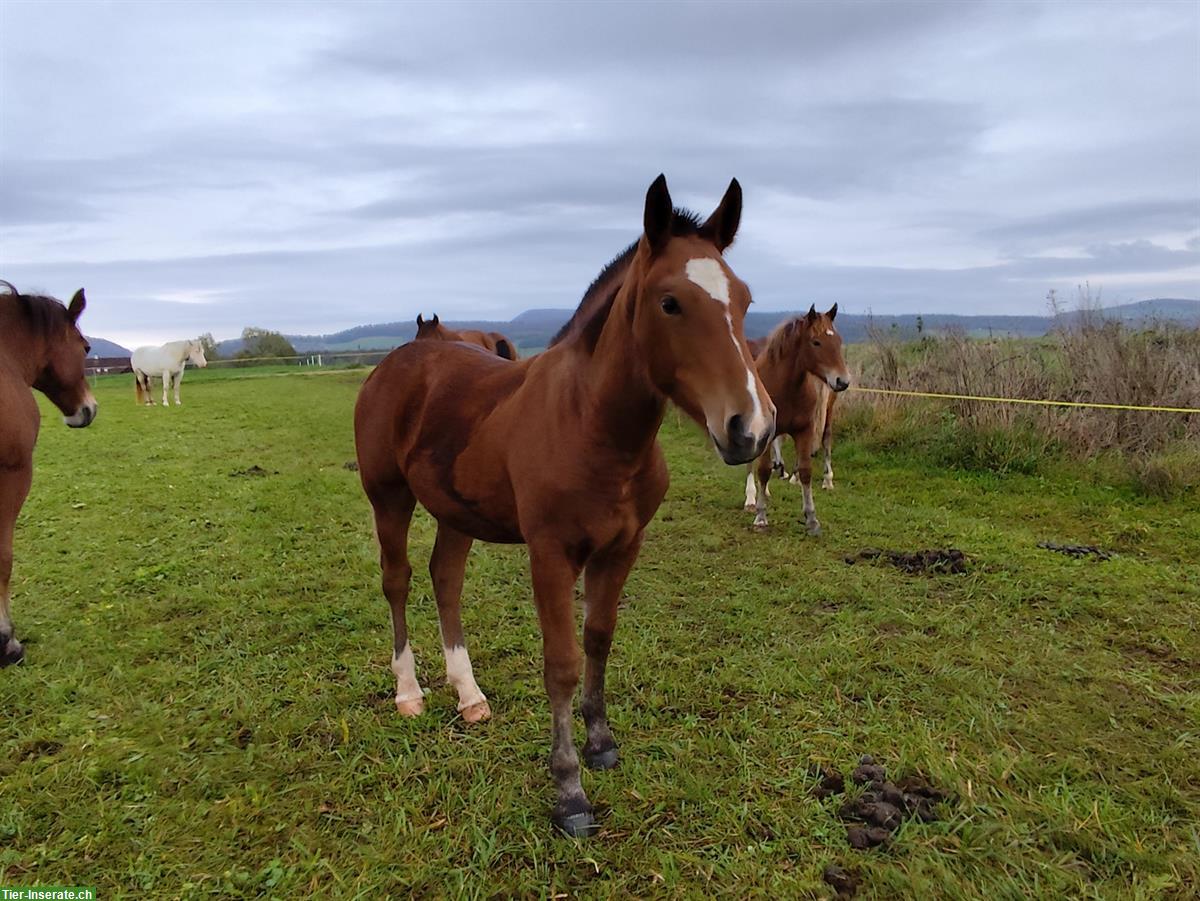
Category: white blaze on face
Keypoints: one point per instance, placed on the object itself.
(708, 274)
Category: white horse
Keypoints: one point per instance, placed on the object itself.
(168, 362)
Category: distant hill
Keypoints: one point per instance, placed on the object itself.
(533, 329)
(102, 347)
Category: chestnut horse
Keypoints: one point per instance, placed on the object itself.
(494, 342)
(495, 451)
(40, 347)
(800, 362)
(824, 426)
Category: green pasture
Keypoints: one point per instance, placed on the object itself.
(205, 708)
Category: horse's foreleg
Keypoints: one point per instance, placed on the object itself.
(762, 473)
(393, 513)
(14, 485)
(804, 473)
(166, 377)
(603, 580)
(178, 382)
(554, 576)
(446, 567)
(751, 492)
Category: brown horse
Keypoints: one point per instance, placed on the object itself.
(560, 452)
(494, 342)
(825, 427)
(799, 363)
(40, 347)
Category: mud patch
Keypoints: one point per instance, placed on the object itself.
(883, 805)
(243, 737)
(844, 882)
(254, 471)
(42, 747)
(936, 560)
(350, 465)
(1078, 551)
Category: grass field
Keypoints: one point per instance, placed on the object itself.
(205, 708)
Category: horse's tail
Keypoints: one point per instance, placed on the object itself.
(137, 387)
(505, 349)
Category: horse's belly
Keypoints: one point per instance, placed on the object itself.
(475, 502)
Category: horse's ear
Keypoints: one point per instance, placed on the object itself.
(812, 314)
(435, 319)
(75, 308)
(722, 225)
(832, 314)
(659, 213)
(420, 320)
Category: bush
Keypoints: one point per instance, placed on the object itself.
(1086, 359)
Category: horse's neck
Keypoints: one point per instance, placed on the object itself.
(786, 371)
(20, 352)
(625, 408)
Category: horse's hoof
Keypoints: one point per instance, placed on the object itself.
(600, 760)
(750, 508)
(477, 713)
(415, 707)
(577, 825)
(827, 486)
(760, 526)
(814, 529)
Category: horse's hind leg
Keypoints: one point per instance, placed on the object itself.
(827, 445)
(14, 485)
(751, 491)
(603, 580)
(393, 513)
(762, 472)
(446, 568)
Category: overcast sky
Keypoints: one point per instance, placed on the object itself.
(311, 166)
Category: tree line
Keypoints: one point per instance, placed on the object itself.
(256, 343)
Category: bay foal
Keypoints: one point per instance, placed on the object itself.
(800, 362)
(40, 347)
(560, 452)
(494, 342)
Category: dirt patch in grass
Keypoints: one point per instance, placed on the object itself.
(937, 560)
(883, 805)
(844, 882)
(254, 471)
(1076, 550)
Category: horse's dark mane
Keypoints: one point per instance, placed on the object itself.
(777, 341)
(45, 315)
(598, 299)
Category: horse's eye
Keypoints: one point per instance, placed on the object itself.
(816, 344)
(87, 348)
(671, 306)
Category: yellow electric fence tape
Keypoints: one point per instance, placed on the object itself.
(1026, 400)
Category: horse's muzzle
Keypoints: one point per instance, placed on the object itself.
(83, 417)
(741, 445)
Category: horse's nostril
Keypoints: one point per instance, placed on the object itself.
(734, 427)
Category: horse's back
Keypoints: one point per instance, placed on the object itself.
(428, 417)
